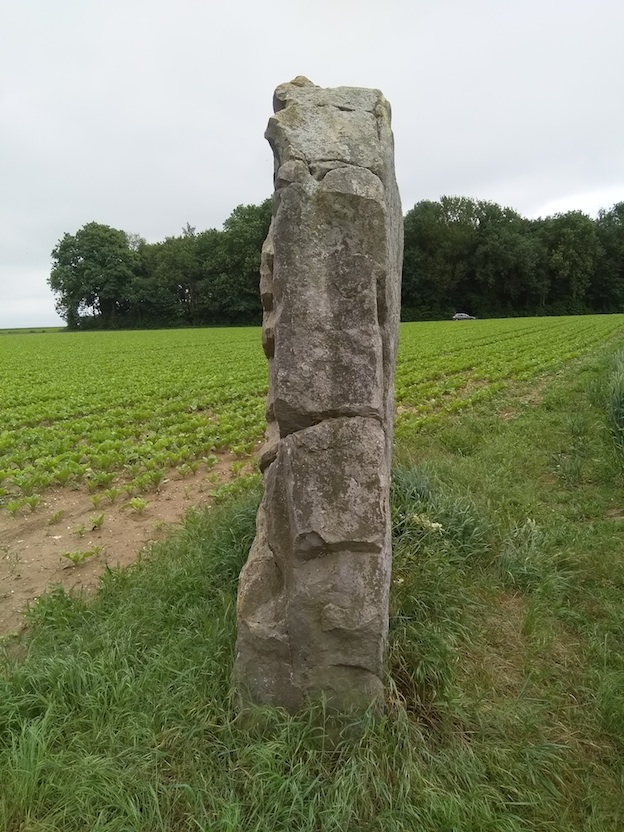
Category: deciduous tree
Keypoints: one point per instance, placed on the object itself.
(91, 272)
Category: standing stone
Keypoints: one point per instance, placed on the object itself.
(313, 595)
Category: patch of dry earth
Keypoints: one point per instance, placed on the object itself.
(31, 547)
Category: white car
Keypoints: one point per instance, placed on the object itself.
(461, 316)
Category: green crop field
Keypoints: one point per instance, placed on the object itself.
(101, 406)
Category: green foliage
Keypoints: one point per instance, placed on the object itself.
(78, 557)
(477, 257)
(460, 254)
(97, 521)
(137, 504)
(573, 254)
(90, 272)
(104, 278)
(607, 288)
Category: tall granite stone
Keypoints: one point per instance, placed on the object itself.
(313, 595)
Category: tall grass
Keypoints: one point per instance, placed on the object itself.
(616, 402)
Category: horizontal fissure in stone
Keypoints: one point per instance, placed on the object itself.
(308, 545)
(292, 421)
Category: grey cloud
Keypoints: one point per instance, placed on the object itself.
(145, 115)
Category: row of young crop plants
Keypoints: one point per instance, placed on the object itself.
(450, 370)
(116, 411)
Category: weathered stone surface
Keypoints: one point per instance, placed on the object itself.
(313, 596)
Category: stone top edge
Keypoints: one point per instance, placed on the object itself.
(302, 91)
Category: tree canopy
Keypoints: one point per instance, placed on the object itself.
(481, 258)
(90, 273)
(461, 254)
(106, 278)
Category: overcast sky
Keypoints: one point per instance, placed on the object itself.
(147, 114)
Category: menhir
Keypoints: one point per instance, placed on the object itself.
(313, 595)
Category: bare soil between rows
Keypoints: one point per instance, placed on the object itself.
(32, 545)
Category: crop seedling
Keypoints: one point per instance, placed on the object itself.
(97, 522)
(79, 557)
(112, 493)
(156, 477)
(26, 484)
(13, 506)
(56, 517)
(99, 479)
(80, 530)
(237, 467)
(137, 504)
(63, 476)
(141, 483)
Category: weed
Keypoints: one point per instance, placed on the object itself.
(521, 557)
(13, 559)
(570, 467)
(235, 489)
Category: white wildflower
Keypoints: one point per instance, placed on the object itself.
(426, 523)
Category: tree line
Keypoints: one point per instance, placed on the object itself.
(105, 278)
(461, 254)
(490, 261)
